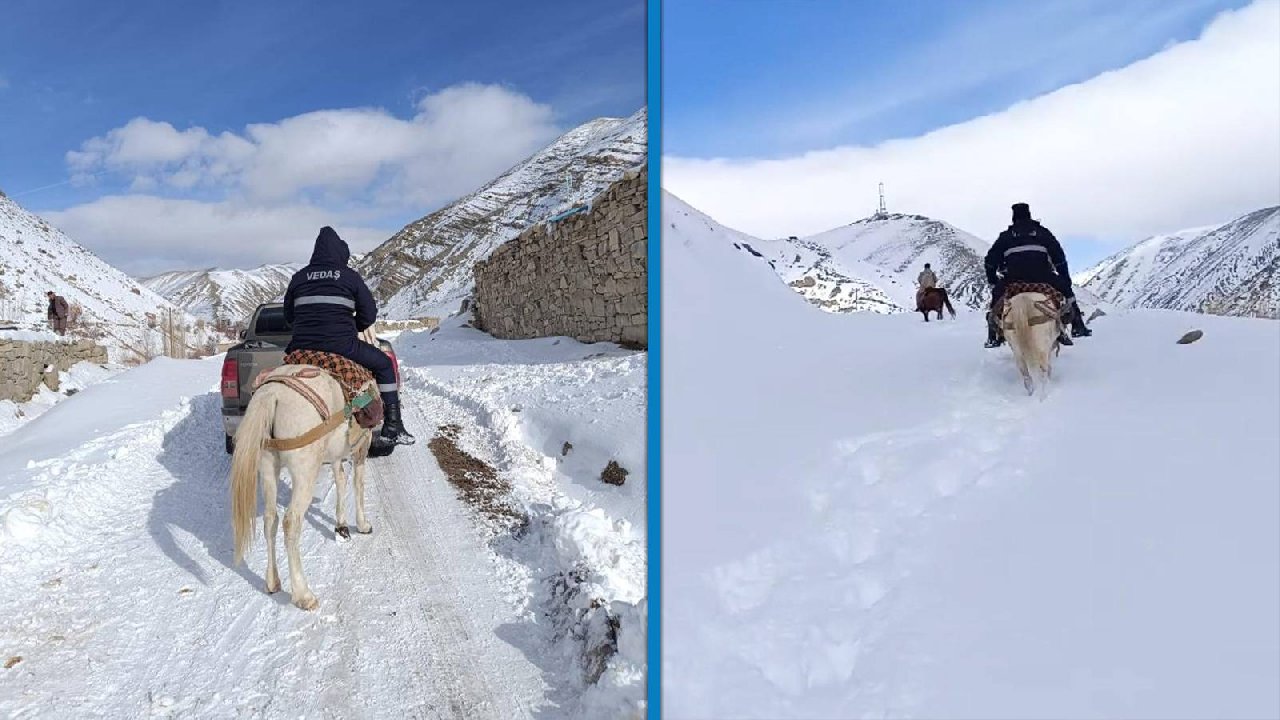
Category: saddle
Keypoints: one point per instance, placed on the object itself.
(1017, 288)
(1053, 309)
(351, 377)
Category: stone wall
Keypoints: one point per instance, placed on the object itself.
(22, 364)
(584, 276)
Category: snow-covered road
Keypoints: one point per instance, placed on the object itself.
(118, 597)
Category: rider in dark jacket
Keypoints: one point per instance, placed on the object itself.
(328, 304)
(1027, 252)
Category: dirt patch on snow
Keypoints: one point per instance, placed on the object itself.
(477, 482)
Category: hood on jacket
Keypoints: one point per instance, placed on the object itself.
(330, 249)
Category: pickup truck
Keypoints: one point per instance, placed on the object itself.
(261, 347)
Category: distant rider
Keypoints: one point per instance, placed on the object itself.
(328, 305)
(1027, 252)
(925, 280)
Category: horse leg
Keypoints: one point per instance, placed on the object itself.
(340, 480)
(269, 466)
(362, 523)
(304, 472)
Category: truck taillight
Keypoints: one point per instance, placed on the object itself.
(395, 363)
(230, 378)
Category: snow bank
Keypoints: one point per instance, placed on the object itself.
(875, 521)
(80, 376)
(31, 335)
(562, 411)
(35, 486)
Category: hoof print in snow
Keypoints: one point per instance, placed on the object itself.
(568, 448)
(185, 591)
(12, 661)
(51, 583)
(614, 474)
(343, 532)
(1191, 337)
(1096, 314)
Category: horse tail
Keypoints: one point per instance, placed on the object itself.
(252, 432)
(1022, 308)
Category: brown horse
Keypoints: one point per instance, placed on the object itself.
(933, 300)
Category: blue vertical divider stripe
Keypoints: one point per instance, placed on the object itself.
(653, 92)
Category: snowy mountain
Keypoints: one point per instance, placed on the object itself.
(36, 257)
(1232, 269)
(872, 264)
(907, 534)
(223, 295)
(425, 269)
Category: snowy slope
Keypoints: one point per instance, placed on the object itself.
(36, 257)
(426, 268)
(872, 264)
(1232, 269)
(875, 521)
(223, 295)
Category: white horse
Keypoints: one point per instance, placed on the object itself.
(1031, 325)
(276, 411)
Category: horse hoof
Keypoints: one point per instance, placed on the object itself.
(342, 532)
(366, 530)
(309, 602)
(273, 589)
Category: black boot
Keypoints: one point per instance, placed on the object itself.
(993, 335)
(393, 427)
(1078, 328)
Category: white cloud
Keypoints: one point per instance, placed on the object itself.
(1189, 136)
(144, 234)
(460, 137)
(278, 183)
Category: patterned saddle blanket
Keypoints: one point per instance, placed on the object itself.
(1017, 288)
(351, 375)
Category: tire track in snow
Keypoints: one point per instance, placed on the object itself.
(405, 628)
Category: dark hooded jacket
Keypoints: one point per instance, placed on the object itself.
(1027, 252)
(327, 302)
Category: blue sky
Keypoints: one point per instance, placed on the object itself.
(764, 78)
(1115, 119)
(74, 71)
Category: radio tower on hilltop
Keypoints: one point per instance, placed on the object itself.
(882, 212)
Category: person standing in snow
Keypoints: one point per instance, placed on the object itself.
(925, 280)
(328, 305)
(58, 312)
(1027, 252)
